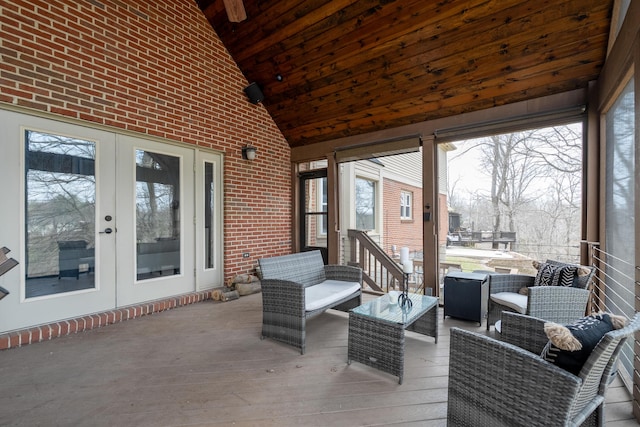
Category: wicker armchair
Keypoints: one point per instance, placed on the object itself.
(496, 383)
(553, 303)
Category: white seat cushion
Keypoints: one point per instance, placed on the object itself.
(328, 292)
(512, 300)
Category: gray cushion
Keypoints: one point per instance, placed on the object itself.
(327, 293)
(512, 300)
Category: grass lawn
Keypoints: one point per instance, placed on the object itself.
(468, 264)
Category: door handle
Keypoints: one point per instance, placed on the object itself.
(107, 231)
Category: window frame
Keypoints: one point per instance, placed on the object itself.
(374, 200)
(406, 205)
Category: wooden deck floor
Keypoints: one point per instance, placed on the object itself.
(205, 365)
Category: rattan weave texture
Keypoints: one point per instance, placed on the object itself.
(554, 303)
(283, 298)
(497, 383)
(379, 340)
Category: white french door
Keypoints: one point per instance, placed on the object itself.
(155, 247)
(99, 220)
(60, 190)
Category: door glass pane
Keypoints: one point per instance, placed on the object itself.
(60, 194)
(316, 205)
(157, 215)
(209, 215)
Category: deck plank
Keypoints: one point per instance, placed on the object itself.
(205, 365)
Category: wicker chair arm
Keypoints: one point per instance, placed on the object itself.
(343, 272)
(509, 282)
(557, 303)
(283, 296)
(523, 331)
(498, 384)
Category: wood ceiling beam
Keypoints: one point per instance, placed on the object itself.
(516, 66)
(351, 67)
(438, 56)
(290, 26)
(363, 25)
(430, 107)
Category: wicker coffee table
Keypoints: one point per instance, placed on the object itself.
(377, 328)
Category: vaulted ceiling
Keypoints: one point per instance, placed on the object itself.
(335, 68)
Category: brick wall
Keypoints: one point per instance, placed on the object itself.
(401, 232)
(159, 69)
(409, 232)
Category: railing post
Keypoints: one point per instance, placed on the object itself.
(352, 247)
(589, 256)
(374, 262)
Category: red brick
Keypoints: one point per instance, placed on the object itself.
(55, 330)
(109, 318)
(83, 324)
(25, 336)
(14, 340)
(64, 328)
(45, 333)
(104, 319)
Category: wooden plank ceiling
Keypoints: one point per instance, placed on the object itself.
(337, 68)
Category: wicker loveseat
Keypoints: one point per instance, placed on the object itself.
(299, 286)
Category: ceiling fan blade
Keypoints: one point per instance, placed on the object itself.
(235, 10)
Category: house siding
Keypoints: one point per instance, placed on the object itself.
(402, 232)
(157, 69)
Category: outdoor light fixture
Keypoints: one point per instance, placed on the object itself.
(249, 152)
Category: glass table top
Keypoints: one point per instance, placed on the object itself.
(384, 308)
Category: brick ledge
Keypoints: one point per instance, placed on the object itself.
(48, 331)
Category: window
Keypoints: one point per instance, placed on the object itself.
(365, 204)
(405, 204)
(324, 207)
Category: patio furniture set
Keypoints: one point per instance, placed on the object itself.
(517, 378)
(299, 286)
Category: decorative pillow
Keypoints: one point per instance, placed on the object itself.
(554, 275)
(583, 271)
(569, 346)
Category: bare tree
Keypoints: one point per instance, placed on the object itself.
(535, 182)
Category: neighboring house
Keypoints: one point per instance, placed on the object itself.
(384, 196)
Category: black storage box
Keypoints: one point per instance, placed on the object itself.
(465, 295)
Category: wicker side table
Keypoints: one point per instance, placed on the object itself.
(377, 331)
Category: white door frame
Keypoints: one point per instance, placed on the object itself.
(18, 311)
(209, 273)
(115, 271)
